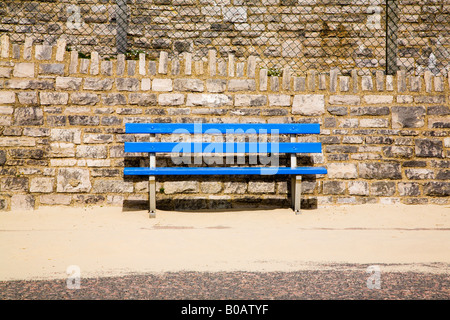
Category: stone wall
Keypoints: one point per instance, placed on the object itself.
(308, 34)
(385, 138)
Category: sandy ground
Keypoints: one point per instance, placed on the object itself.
(44, 243)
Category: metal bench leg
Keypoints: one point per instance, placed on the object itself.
(152, 196)
(296, 193)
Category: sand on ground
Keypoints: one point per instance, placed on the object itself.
(107, 241)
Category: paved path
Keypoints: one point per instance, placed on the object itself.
(302, 285)
(260, 255)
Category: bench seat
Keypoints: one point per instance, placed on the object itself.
(209, 171)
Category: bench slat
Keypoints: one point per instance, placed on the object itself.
(227, 147)
(223, 128)
(145, 171)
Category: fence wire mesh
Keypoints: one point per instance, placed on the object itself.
(305, 34)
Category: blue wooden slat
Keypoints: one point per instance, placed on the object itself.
(145, 171)
(227, 147)
(223, 128)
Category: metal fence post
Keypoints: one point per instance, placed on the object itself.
(122, 26)
(392, 21)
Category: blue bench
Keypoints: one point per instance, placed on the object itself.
(223, 148)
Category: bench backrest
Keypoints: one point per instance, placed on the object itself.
(235, 128)
(223, 147)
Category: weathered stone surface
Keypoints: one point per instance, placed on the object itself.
(22, 202)
(439, 123)
(29, 84)
(84, 99)
(162, 85)
(17, 142)
(378, 99)
(352, 140)
(96, 84)
(43, 52)
(87, 151)
(53, 98)
(128, 84)
(419, 174)
(114, 99)
(241, 85)
(66, 135)
(292, 48)
(437, 189)
(341, 149)
(36, 132)
(369, 111)
(112, 186)
(374, 123)
(405, 99)
(14, 184)
(5, 121)
(216, 85)
(52, 68)
(249, 100)
(55, 199)
(68, 83)
(333, 187)
(236, 187)
(62, 150)
(106, 68)
(308, 104)
(24, 70)
(92, 199)
(2, 157)
(29, 116)
(208, 100)
(414, 163)
(27, 153)
(171, 99)
(7, 97)
(98, 138)
(142, 99)
(5, 72)
(337, 111)
(42, 184)
(235, 14)
(358, 188)
(107, 172)
(429, 148)
(344, 100)
(261, 187)
(171, 187)
(279, 100)
(191, 85)
(210, 187)
(443, 175)
(382, 188)
(379, 140)
(73, 180)
(398, 152)
(28, 98)
(428, 99)
(56, 121)
(146, 84)
(408, 189)
(111, 121)
(438, 110)
(82, 120)
(342, 171)
(408, 117)
(380, 170)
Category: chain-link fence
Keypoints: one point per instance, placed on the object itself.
(304, 34)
